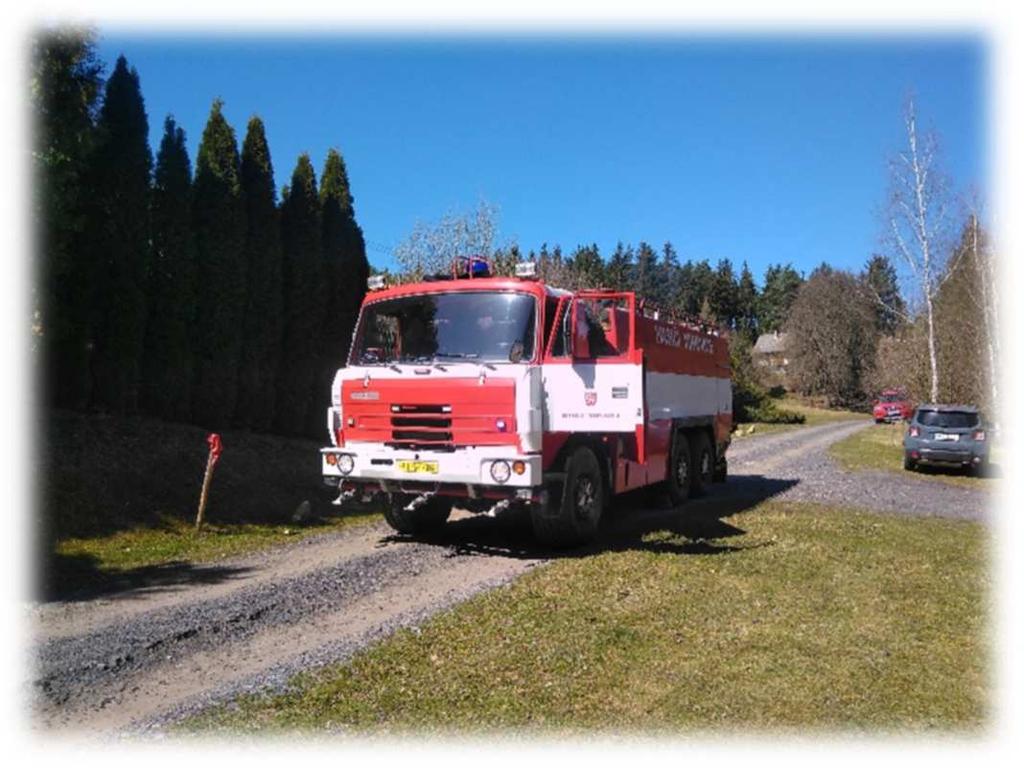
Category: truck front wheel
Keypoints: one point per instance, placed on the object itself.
(721, 470)
(430, 516)
(573, 519)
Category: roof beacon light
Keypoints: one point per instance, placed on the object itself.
(376, 282)
(479, 268)
(471, 267)
(526, 269)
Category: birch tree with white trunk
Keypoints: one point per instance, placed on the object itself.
(918, 225)
(985, 294)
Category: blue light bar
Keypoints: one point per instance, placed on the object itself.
(472, 267)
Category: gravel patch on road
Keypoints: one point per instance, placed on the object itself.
(797, 463)
(179, 657)
(279, 677)
(78, 665)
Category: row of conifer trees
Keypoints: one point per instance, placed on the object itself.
(194, 297)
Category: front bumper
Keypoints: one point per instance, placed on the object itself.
(471, 467)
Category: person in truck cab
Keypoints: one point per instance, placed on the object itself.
(597, 335)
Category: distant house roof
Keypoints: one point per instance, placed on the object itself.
(771, 343)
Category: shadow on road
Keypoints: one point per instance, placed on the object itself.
(629, 525)
(992, 470)
(76, 578)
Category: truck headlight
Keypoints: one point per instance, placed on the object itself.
(500, 471)
(346, 463)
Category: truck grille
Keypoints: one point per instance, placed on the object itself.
(431, 415)
(421, 422)
(434, 432)
(420, 435)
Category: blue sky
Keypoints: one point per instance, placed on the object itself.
(753, 148)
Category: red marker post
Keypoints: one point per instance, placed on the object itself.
(213, 441)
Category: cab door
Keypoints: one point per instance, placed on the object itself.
(598, 386)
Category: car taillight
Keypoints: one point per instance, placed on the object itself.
(978, 435)
(914, 432)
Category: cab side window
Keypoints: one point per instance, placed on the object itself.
(587, 313)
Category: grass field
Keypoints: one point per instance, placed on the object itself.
(812, 416)
(809, 619)
(176, 541)
(880, 447)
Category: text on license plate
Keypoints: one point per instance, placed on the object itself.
(417, 466)
(947, 436)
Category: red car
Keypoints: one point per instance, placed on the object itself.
(892, 406)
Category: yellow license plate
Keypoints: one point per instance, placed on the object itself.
(417, 466)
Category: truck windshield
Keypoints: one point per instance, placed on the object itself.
(465, 325)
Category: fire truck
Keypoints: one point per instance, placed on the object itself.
(484, 392)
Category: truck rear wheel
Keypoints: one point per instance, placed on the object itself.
(573, 519)
(430, 516)
(703, 463)
(680, 470)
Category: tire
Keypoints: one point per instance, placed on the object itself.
(980, 470)
(426, 518)
(721, 471)
(703, 463)
(573, 517)
(908, 463)
(680, 475)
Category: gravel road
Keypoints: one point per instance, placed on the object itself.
(799, 459)
(133, 662)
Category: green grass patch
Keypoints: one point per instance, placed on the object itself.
(176, 540)
(808, 618)
(812, 416)
(880, 447)
(138, 557)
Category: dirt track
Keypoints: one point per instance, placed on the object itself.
(136, 660)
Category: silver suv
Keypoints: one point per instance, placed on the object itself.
(950, 435)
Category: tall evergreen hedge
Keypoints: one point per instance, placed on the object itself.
(261, 340)
(168, 363)
(65, 85)
(218, 221)
(304, 303)
(119, 241)
(345, 271)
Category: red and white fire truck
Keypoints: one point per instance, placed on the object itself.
(484, 392)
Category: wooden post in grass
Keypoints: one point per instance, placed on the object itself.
(213, 441)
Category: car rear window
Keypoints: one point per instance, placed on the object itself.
(930, 418)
